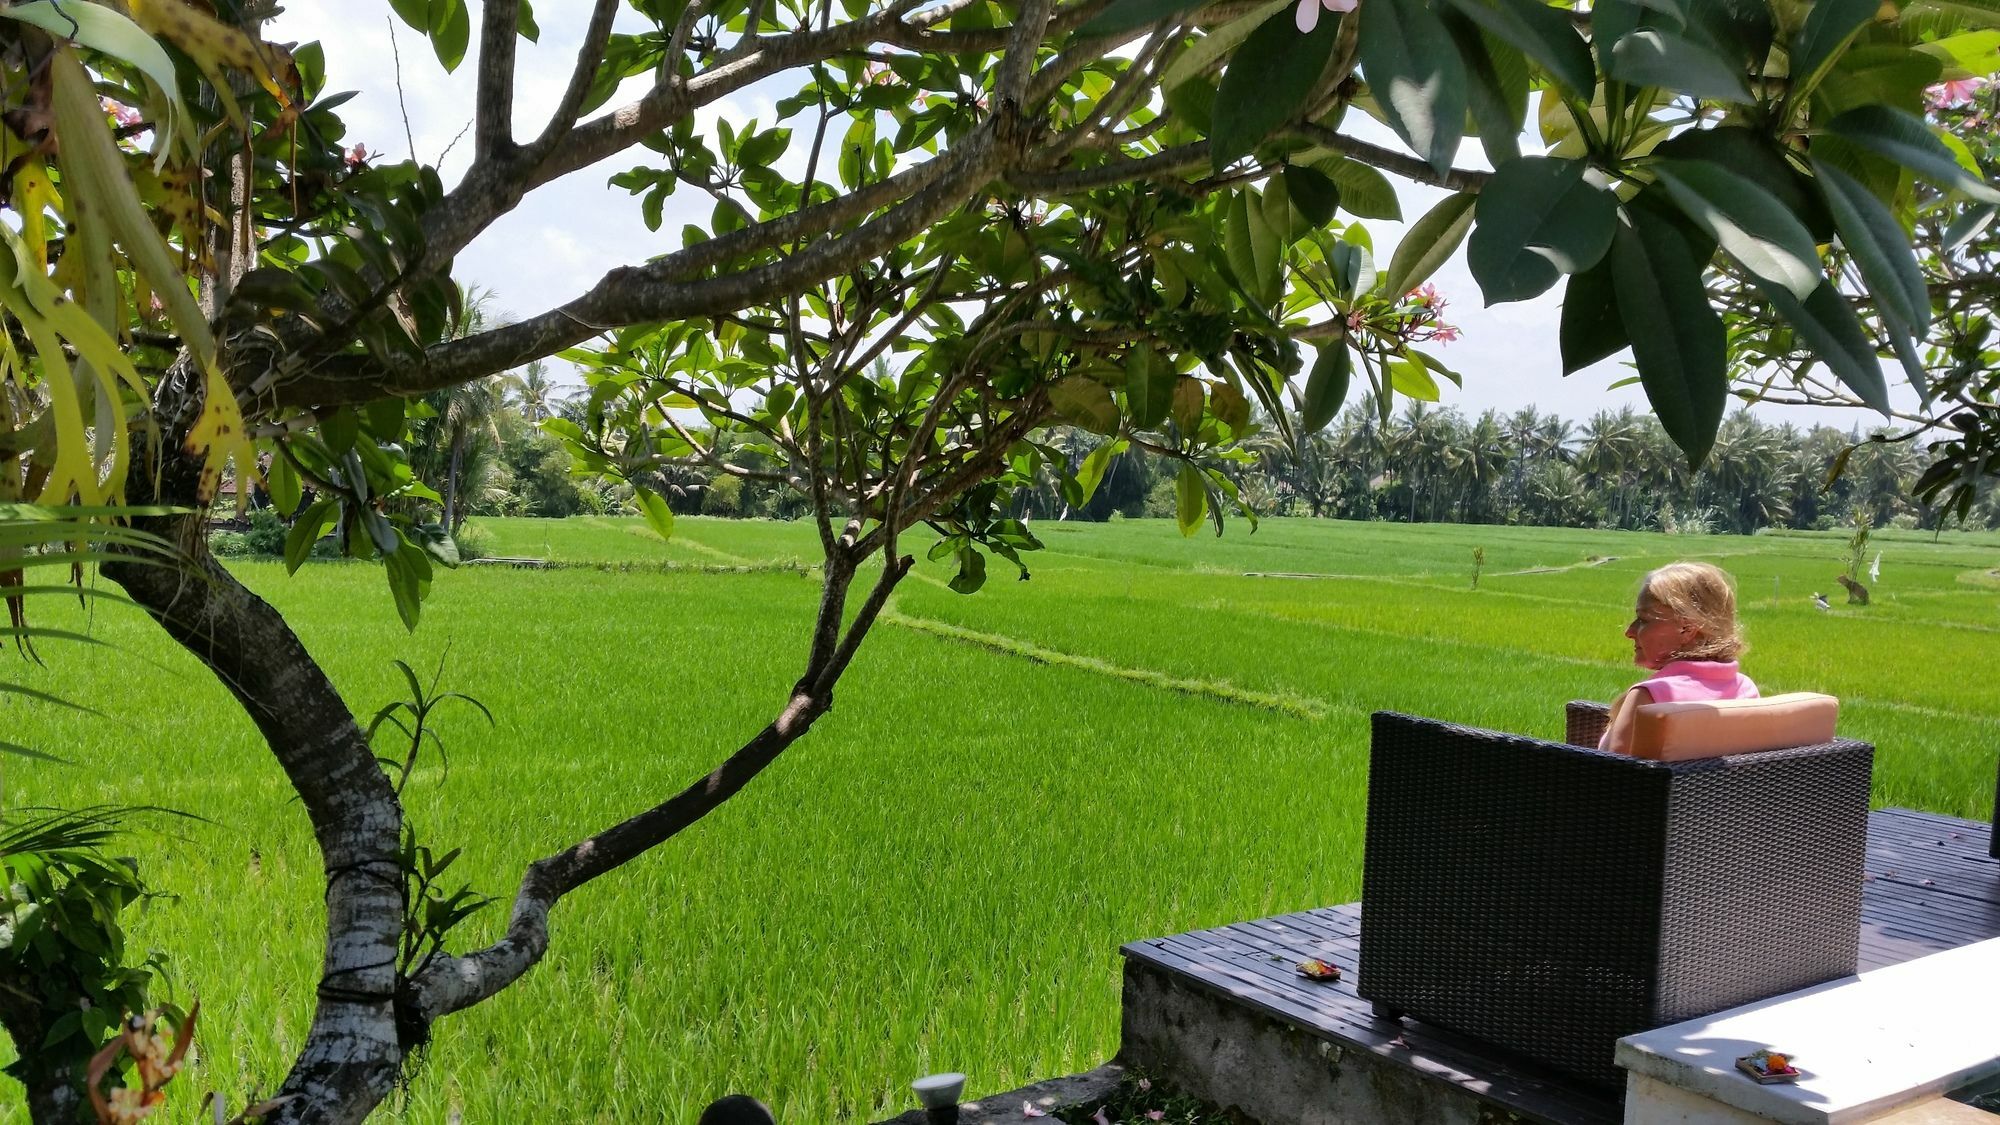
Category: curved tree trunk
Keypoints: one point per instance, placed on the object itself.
(351, 1056)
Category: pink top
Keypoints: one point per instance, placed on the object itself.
(1688, 681)
(1698, 681)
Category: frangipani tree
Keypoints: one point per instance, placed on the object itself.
(1134, 216)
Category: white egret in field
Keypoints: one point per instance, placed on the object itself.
(1875, 568)
(1820, 602)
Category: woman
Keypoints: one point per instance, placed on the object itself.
(1684, 629)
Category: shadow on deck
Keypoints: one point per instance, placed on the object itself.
(1224, 1013)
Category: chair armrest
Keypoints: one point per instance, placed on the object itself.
(1584, 722)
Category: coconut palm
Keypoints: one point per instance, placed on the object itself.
(533, 393)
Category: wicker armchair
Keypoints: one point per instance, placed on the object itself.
(1550, 899)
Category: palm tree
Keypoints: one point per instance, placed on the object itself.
(533, 393)
(458, 441)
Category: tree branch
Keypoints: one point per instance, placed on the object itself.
(589, 56)
(493, 129)
(1408, 167)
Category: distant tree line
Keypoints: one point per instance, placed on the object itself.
(481, 448)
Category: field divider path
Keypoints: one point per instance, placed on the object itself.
(1297, 706)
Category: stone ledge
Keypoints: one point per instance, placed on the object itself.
(1048, 1096)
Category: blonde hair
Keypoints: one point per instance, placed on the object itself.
(1699, 595)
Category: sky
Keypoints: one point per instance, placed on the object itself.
(566, 235)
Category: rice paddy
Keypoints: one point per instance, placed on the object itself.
(1151, 735)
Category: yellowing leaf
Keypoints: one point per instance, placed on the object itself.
(219, 437)
(214, 46)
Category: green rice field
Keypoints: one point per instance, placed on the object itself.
(1153, 735)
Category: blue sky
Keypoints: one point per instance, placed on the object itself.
(565, 236)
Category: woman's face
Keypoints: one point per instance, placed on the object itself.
(1656, 634)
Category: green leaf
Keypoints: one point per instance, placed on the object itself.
(1429, 244)
(416, 13)
(1747, 221)
(1083, 401)
(1543, 33)
(1190, 499)
(306, 531)
(525, 23)
(1968, 226)
(1871, 233)
(1591, 329)
(1313, 192)
(409, 574)
(1417, 78)
(1829, 28)
(1326, 387)
(1210, 48)
(658, 516)
(971, 571)
(857, 151)
(1877, 72)
(1905, 139)
(451, 33)
(1253, 249)
(339, 430)
(1131, 15)
(1229, 407)
(1538, 219)
(1412, 377)
(1969, 54)
(1496, 88)
(1753, 155)
(1267, 84)
(1090, 473)
(1364, 192)
(1826, 322)
(1676, 337)
(1149, 387)
(1186, 409)
(1653, 57)
(283, 481)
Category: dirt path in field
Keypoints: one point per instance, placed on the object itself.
(1411, 579)
(1584, 565)
(1221, 691)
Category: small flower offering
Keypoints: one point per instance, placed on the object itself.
(1768, 1066)
(1312, 968)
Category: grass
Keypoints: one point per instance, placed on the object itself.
(1139, 740)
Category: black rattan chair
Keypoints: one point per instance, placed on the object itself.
(1550, 899)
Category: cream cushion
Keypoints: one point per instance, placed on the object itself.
(1673, 732)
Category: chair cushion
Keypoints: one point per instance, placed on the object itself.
(1673, 732)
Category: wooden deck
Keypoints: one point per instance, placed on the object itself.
(1931, 886)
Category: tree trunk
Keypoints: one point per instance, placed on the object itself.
(451, 483)
(54, 1086)
(352, 1053)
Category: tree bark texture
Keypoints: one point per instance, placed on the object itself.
(55, 1089)
(351, 1056)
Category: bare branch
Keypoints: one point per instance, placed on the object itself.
(1408, 167)
(499, 28)
(589, 56)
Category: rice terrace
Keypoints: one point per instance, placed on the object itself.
(1146, 737)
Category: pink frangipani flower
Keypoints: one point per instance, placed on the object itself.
(1307, 16)
(1100, 1118)
(1956, 92)
(1028, 1109)
(1145, 1084)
